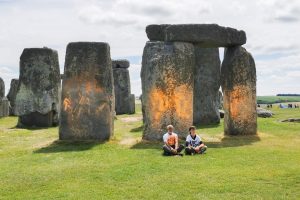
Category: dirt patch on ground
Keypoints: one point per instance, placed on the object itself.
(131, 119)
(130, 141)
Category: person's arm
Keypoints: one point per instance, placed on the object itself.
(187, 141)
(176, 142)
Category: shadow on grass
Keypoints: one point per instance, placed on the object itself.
(209, 126)
(137, 129)
(233, 141)
(144, 144)
(227, 141)
(65, 146)
(31, 128)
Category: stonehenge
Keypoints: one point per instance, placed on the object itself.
(124, 101)
(181, 77)
(11, 96)
(237, 70)
(37, 96)
(4, 103)
(167, 85)
(87, 104)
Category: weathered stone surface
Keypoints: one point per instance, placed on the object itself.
(2, 88)
(121, 86)
(39, 84)
(4, 107)
(122, 63)
(264, 113)
(131, 104)
(220, 100)
(11, 96)
(87, 109)
(43, 120)
(206, 35)
(167, 86)
(297, 120)
(206, 85)
(156, 32)
(238, 80)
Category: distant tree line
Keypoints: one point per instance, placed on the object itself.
(288, 95)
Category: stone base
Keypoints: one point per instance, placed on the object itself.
(38, 119)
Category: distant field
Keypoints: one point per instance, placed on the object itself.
(277, 99)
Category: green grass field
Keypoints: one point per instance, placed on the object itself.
(277, 99)
(34, 165)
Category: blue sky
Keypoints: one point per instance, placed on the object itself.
(272, 28)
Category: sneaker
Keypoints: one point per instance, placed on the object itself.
(203, 149)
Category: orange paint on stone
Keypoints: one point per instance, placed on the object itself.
(179, 104)
(67, 104)
(239, 103)
(183, 102)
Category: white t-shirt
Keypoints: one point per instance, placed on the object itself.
(193, 142)
(170, 139)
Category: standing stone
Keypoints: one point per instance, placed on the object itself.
(131, 104)
(220, 102)
(167, 86)
(4, 103)
(4, 107)
(37, 98)
(238, 79)
(2, 88)
(11, 96)
(122, 87)
(87, 109)
(206, 86)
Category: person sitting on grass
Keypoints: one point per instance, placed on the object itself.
(194, 143)
(170, 139)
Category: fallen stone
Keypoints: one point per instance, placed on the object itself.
(264, 113)
(291, 120)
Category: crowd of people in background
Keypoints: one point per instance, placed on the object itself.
(290, 105)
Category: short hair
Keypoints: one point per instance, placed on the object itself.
(170, 126)
(192, 128)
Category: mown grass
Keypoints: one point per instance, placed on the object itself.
(277, 99)
(34, 165)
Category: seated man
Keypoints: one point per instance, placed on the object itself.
(194, 143)
(171, 143)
